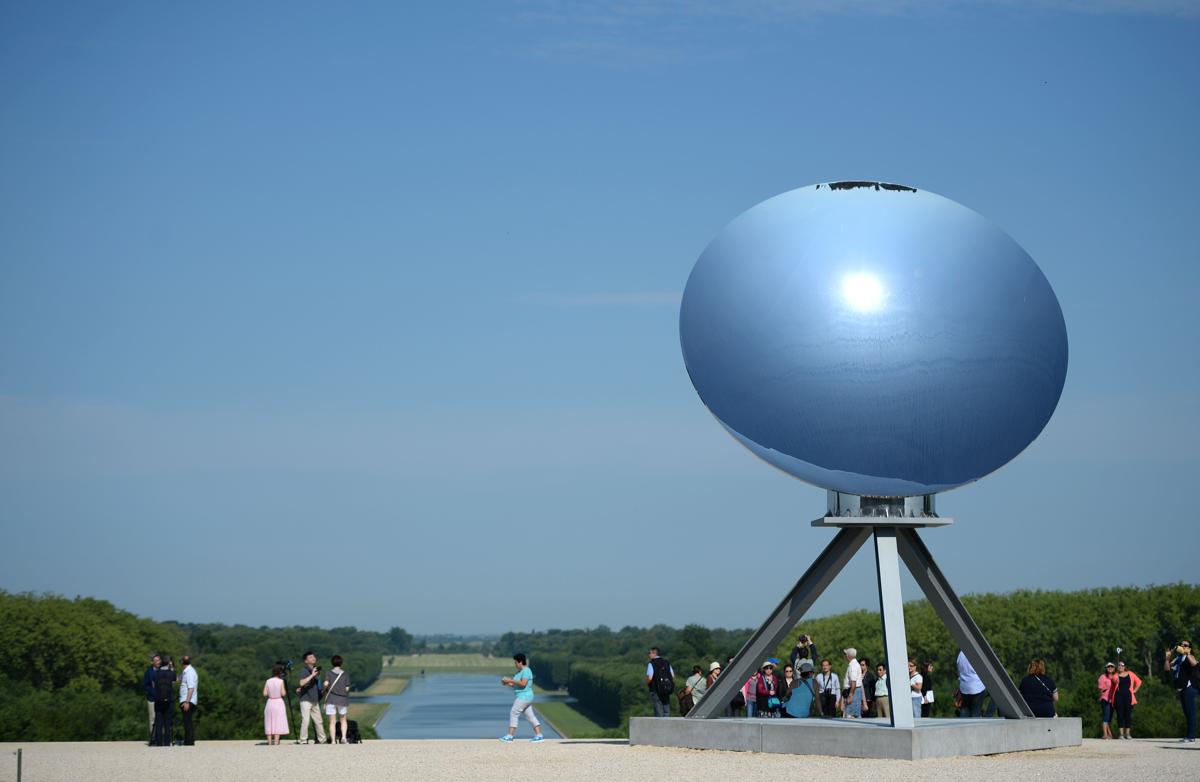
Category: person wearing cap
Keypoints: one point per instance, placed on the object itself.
(805, 649)
(767, 692)
(714, 670)
(853, 708)
(1107, 683)
(804, 692)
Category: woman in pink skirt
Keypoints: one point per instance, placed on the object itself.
(275, 714)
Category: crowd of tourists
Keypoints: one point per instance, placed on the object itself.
(803, 686)
(807, 685)
(315, 688)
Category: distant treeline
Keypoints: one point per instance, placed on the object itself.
(71, 670)
(1076, 632)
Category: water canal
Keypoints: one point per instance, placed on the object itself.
(454, 706)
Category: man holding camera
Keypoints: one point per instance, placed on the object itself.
(310, 699)
(1185, 675)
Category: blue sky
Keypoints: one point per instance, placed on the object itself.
(367, 313)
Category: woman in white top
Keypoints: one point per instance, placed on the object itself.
(914, 686)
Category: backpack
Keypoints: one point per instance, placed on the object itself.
(663, 683)
(352, 736)
(164, 683)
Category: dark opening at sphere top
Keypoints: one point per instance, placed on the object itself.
(873, 339)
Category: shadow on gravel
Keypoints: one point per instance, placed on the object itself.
(1190, 748)
(611, 742)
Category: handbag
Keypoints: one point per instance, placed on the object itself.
(1047, 689)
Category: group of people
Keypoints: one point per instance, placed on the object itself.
(796, 688)
(800, 691)
(164, 687)
(162, 684)
(1118, 687)
(313, 685)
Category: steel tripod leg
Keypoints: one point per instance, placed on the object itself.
(961, 626)
(832, 560)
(895, 642)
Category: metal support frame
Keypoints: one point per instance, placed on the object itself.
(961, 626)
(891, 611)
(899, 538)
(815, 580)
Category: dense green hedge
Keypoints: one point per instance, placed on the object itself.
(1076, 633)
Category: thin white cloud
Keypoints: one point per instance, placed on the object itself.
(628, 33)
(614, 13)
(633, 298)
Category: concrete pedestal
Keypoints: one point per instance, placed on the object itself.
(866, 738)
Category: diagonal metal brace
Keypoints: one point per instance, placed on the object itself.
(815, 580)
(961, 626)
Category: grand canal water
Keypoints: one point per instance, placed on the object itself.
(453, 706)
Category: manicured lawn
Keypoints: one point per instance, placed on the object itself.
(571, 722)
(367, 714)
(412, 665)
(384, 685)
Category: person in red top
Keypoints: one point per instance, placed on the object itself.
(1125, 698)
(1107, 683)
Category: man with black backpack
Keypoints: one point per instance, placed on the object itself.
(164, 703)
(660, 680)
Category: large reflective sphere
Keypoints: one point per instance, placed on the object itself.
(875, 340)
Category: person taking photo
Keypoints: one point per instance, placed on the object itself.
(309, 690)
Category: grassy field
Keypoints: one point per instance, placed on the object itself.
(412, 665)
(367, 714)
(571, 722)
(384, 685)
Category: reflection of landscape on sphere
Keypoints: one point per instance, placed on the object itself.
(874, 341)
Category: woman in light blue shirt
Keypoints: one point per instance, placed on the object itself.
(522, 684)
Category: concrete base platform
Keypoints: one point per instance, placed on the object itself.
(866, 738)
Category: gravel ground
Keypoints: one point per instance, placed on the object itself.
(567, 759)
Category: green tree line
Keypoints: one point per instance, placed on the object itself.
(1076, 633)
(71, 670)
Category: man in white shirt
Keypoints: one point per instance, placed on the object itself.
(970, 686)
(187, 699)
(829, 689)
(854, 694)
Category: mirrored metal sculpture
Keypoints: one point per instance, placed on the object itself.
(873, 339)
(886, 344)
